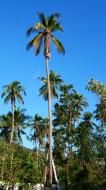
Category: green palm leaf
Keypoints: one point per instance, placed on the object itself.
(57, 27)
(30, 30)
(45, 28)
(36, 42)
(42, 18)
(58, 44)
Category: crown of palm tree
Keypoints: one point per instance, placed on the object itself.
(20, 124)
(12, 92)
(55, 82)
(45, 29)
(87, 116)
(80, 101)
(38, 128)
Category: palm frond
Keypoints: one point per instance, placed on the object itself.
(39, 26)
(30, 30)
(30, 44)
(53, 17)
(19, 137)
(36, 28)
(43, 92)
(56, 15)
(54, 93)
(21, 89)
(20, 98)
(42, 18)
(38, 47)
(57, 27)
(35, 42)
(58, 44)
(7, 99)
(43, 79)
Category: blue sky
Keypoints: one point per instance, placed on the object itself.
(84, 39)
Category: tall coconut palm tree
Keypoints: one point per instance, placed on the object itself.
(11, 93)
(55, 82)
(45, 29)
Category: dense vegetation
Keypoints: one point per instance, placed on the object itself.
(79, 147)
(79, 139)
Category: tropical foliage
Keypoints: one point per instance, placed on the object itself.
(79, 144)
(79, 135)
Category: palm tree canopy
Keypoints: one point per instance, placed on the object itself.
(88, 116)
(55, 82)
(39, 128)
(20, 122)
(79, 102)
(45, 29)
(12, 92)
(5, 127)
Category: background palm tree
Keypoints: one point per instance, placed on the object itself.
(38, 128)
(5, 127)
(11, 93)
(55, 82)
(20, 123)
(45, 32)
(84, 137)
(80, 103)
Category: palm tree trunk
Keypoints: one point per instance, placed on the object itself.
(12, 132)
(2, 172)
(78, 117)
(50, 123)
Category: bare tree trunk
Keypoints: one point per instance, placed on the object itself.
(12, 132)
(50, 123)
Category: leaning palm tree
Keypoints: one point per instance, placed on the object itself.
(11, 93)
(45, 33)
(55, 82)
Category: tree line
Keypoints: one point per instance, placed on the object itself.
(79, 140)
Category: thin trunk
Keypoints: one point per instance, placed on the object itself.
(50, 123)
(2, 173)
(78, 116)
(70, 129)
(45, 170)
(78, 121)
(12, 132)
(70, 123)
(37, 149)
(11, 138)
(11, 165)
